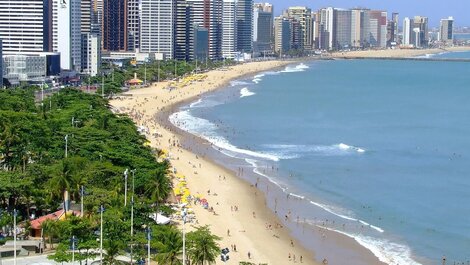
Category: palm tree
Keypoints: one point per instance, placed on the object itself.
(203, 247)
(159, 186)
(49, 228)
(112, 249)
(172, 250)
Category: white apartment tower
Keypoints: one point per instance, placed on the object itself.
(24, 25)
(66, 33)
(407, 31)
(229, 29)
(157, 29)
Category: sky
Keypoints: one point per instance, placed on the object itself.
(433, 9)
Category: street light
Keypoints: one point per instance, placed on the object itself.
(15, 213)
(125, 184)
(101, 210)
(66, 142)
(82, 195)
(183, 215)
(149, 237)
(132, 213)
(73, 241)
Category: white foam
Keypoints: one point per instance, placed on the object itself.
(385, 250)
(238, 83)
(284, 151)
(194, 104)
(298, 68)
(257, 80)
(207, 130)
(244, 92)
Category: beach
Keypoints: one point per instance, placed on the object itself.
(252, 227)
(240, 214)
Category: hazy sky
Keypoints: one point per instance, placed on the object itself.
(434, 9)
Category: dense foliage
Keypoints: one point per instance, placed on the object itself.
(72, 141)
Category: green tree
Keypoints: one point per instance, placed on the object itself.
(203, 247)
(171, 251)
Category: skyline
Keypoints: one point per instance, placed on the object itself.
(407, 8)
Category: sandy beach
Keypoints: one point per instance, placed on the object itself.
(396, 53)
(240, 213)
(251, 226)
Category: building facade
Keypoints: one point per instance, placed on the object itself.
(263, 28)
(91, 53)
(446, 30)
(342, 29)
(26, 25)
(282, 35)
(408, 35)
(229, 29)
(133, 24)
(114, 25)
(244, 25)
(157, 28)
(304, 16)
(30, 67)
(66, 33)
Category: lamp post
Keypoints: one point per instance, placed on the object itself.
(101, 233)
(183, 215)
(82, 194)
(132, 213)
(125, 186)
(15, 213)
(149, 237)
(74, 241)
(102, 85)
(66, 142)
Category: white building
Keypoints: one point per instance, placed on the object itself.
(66, 33)
(327, 20)
(91, 53)
(23, 25)
(407, 31)
(229, 29)
(157, 28)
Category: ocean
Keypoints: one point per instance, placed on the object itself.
(375, 150)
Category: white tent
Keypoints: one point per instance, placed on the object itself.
(160, 219)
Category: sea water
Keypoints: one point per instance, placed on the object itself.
(382, 148)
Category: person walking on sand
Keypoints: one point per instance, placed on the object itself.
(249, 255)
(228, 232)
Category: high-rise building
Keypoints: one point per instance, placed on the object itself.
(391, 33)
(85, 16)
(114, 25)
(244, 25)
(184, 28)
(408, 35)
(421, 23)
(229, 28)
(446, 31)
(91, 53)
(396, 21)
(157, 28)
(201, 43)
(96, 16)
(66, 33)
(1, 65)
(360, 28)
(282, 35)
(327, 22)
(342, 29)
(133, 25)
(26, 25)
(304, 16)
(262, 27)
(378, 28)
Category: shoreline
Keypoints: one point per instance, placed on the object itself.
(398, 53)
(247, 232)
(262, 243)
